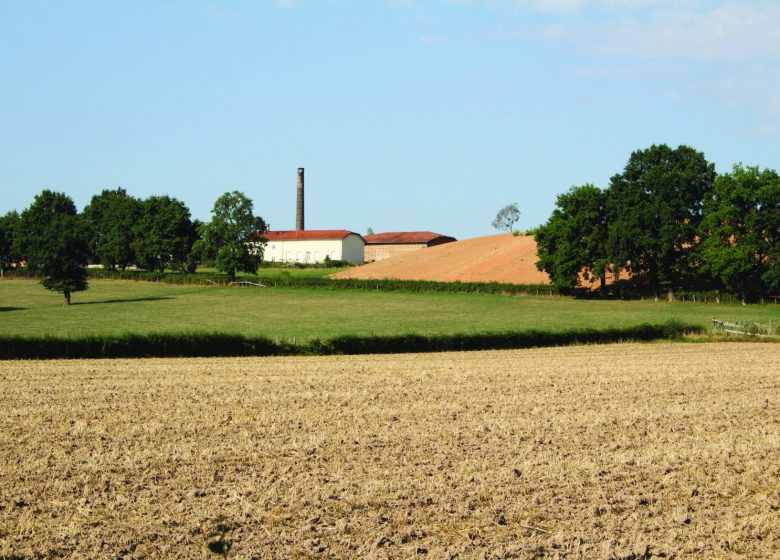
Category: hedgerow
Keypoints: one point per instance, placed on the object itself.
(150, 345)
(292, 281)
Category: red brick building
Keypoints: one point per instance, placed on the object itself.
(383, 245)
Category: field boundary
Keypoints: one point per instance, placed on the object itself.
(291, 281)
(624, 290)
(744, 328)
(166, 345)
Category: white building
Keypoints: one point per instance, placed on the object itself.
(312, 246)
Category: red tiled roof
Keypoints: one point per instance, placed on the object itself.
(308, 234)
(405, 237)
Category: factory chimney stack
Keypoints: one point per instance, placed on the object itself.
(299, 207)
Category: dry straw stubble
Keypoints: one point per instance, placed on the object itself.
(613, 451)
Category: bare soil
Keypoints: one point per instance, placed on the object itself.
(495, 258)
(621, 451)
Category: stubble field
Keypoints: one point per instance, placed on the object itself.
(621, 451)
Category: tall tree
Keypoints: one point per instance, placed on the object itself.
(53, 239)
(506, 218)
(768, 222)
(741, 228)
(572, 244)
(654, 210)
(233, 237)
(164, 235)
(111, 216)
(9, 225)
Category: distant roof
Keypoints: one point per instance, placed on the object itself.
(405, 237)
(308, 234)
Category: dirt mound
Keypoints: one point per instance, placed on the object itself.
(495, 258)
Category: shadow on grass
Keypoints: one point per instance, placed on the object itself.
(133, 300)
(10, 309)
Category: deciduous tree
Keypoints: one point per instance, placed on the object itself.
(741, 230)
(9, 225)
(654, 210)
(572, 244)
(164, 235)
(234, 235)
(52, 237)
(506, 218)
(111, 217)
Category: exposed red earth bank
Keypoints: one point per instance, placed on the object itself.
(494, 258)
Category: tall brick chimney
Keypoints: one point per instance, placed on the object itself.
(299, 207)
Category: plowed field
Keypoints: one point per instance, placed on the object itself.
(622, 451)
(495, 258)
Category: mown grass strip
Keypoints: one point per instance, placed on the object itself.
(166, 345)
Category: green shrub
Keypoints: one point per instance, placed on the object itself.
(292, 281)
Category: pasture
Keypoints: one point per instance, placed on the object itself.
(272, 272)
(615, 451)
(115, 307)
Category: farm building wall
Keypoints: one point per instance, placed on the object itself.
(353, 249)
(378, 252)
(349, 249)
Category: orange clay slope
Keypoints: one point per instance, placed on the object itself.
(495, 258)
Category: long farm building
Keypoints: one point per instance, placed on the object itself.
(313, 246)
(380, 246)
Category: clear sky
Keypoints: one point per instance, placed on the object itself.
(407, 115)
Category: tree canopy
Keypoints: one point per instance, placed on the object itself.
(506, 218)
(164, 235)
(233, 236)
(9, 253)
(740, 230)
(111, 216)
(671, 222)
(572, 244)
(654, 210)
(52, 237)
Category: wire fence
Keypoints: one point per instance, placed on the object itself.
(744, 328)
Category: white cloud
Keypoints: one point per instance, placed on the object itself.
(660, 29)
(558, 6)
(736, 31)
(568, 7)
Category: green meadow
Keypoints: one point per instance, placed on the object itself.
(116, 307)
(269, 272)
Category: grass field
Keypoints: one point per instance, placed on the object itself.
(140, 307)
(618, 451)
(291, 271)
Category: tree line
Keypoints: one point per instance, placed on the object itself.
(54, 241)
(670, 222)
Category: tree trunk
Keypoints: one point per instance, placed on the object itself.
(670, 294)
(67, 297)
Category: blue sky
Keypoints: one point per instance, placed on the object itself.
(407, 115)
